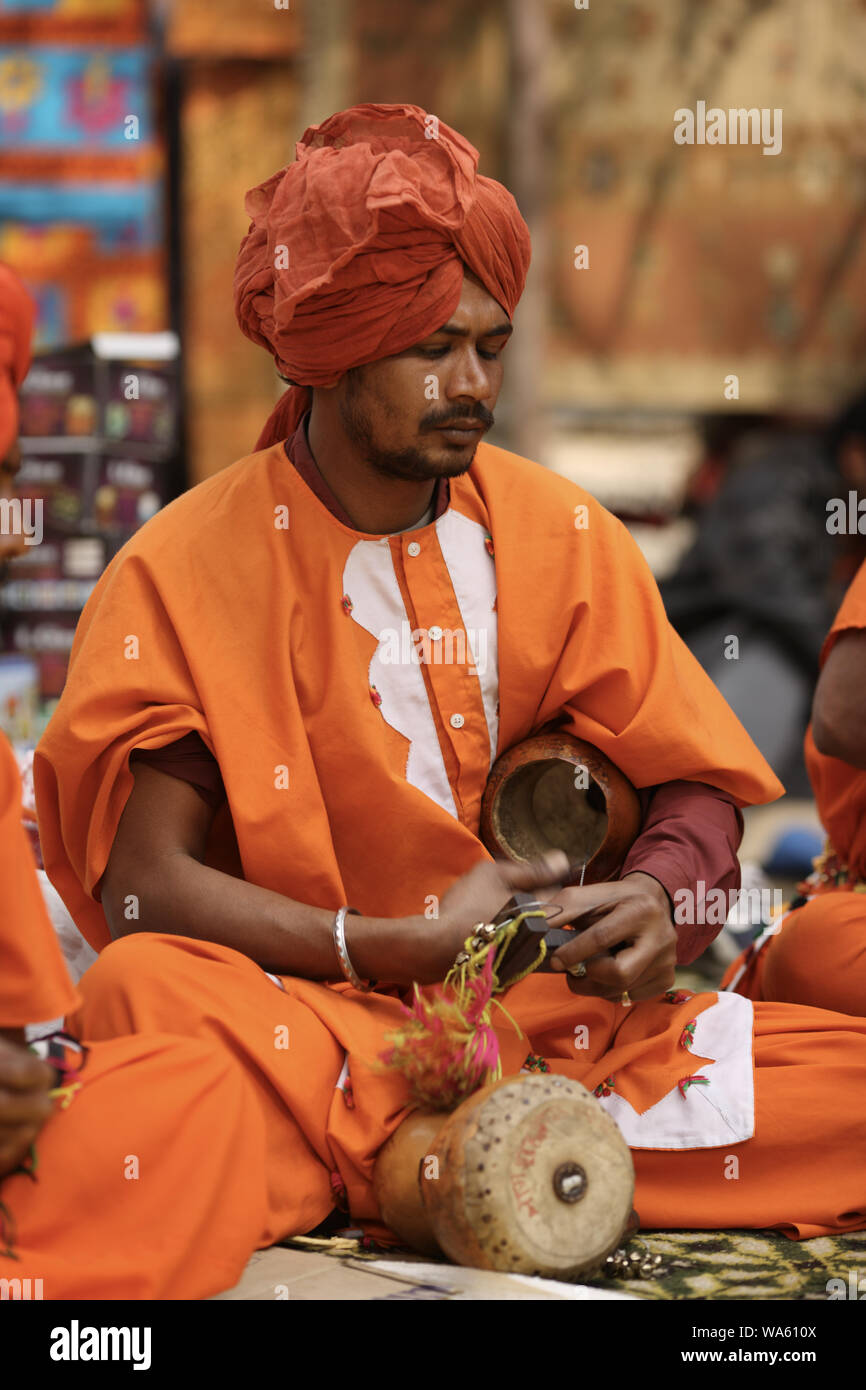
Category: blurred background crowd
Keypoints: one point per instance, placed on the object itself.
(690, 345)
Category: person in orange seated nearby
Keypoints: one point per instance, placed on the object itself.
(129, 1168)
(816, 953)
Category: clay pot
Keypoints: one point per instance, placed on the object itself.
(554, 791)
(527, 1176)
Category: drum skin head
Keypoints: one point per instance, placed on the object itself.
(533, 1178)
(554, 791)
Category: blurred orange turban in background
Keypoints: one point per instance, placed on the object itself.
(356, 250)
(17, 317)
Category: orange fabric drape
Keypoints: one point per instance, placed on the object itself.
(150, 1184)
(34, 982)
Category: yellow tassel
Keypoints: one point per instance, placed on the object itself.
(63, 1094)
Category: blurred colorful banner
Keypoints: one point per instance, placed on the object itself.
(129, 13)
(82, 215)
(73, 9)
(64, 98)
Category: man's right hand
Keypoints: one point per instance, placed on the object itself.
(477, 897)
(25, 1105)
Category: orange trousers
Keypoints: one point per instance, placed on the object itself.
(802, 1172)
(150, 1184)
(817, 957)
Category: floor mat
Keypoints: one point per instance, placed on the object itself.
(748, 1265)
(751, 1265)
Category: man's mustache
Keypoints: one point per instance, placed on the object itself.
(478, 412)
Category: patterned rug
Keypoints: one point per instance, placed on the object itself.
(752, 1265)
(748, 1265)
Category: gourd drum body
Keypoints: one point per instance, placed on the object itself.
(526, 1176)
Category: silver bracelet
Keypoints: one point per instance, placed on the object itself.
(346, 965)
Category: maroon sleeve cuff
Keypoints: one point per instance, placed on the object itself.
(689, 841)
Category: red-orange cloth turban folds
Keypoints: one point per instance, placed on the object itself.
(17, 317)
(356, 250)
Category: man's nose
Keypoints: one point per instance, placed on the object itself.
(469, 378)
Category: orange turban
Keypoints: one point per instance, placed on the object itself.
(356, 250)
(17, 317)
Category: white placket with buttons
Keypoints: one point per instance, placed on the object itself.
(430, 600)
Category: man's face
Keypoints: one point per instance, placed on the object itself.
(395, 410)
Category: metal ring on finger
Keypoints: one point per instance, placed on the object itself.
(578, 971)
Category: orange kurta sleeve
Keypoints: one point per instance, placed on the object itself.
(621, 677)
(840, 789)
(129, 686)
(34, 982)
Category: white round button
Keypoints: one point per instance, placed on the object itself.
(413, 548)
(434, 633)
(457, 721)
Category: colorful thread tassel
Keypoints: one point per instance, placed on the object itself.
(449, 1048)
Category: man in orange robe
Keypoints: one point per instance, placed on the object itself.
(130, 1168)
(286, 693)
(816, 953)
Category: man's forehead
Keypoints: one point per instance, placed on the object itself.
(476, 308)
(473, 288)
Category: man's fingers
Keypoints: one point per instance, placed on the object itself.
(24, 1107)
(22, 1070)
(609, 976)
(616, 973)
(585, 905)
(603, 979)
(596, 940)
(534, 873)
(651, 988)
(637, 993)
(657, 975)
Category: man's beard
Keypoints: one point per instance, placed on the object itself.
(412, 463)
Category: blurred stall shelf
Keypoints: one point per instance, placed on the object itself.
(99, 429)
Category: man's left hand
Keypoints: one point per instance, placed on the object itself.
(633, 918)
